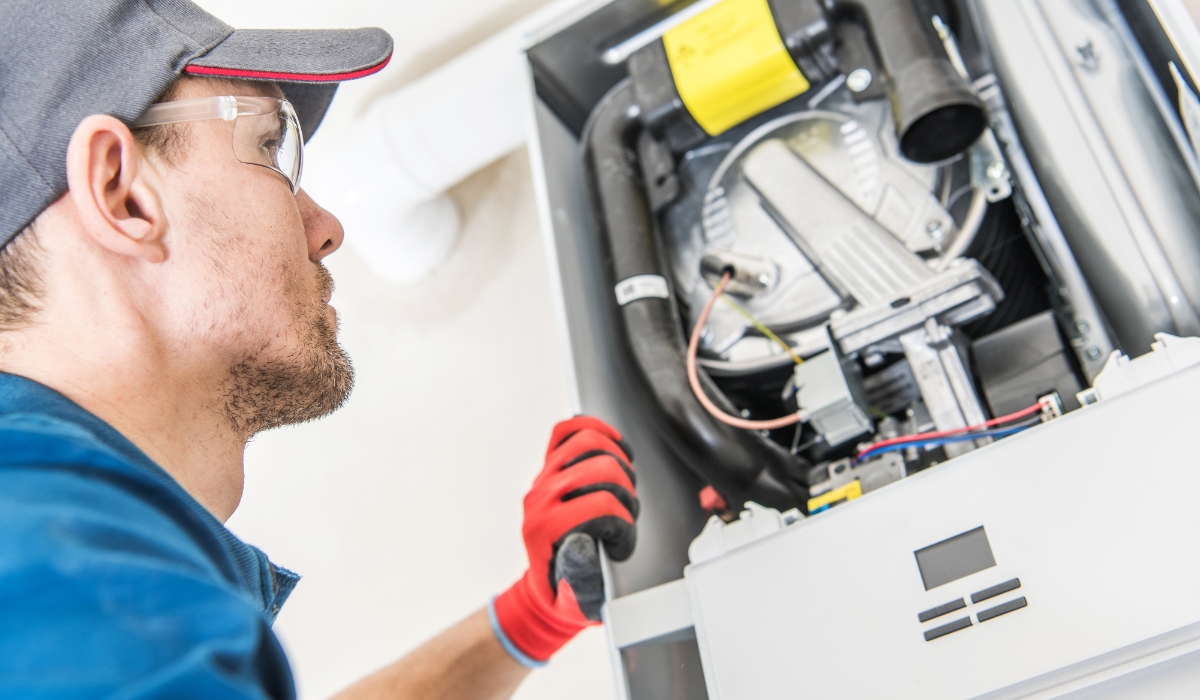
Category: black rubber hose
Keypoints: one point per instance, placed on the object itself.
(937, 114)
(742, 465)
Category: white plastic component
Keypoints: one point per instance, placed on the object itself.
(754, 523)
(1168, 354)
(385, 176)
(642, 287)
(1106, 565)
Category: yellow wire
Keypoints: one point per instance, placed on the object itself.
(762, 329)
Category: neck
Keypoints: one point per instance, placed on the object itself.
(129, 380)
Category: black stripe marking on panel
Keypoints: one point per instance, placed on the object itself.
(996, 590)
(960, 624)
(1002, 609)
(942, 610)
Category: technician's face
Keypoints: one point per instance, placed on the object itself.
(250, 293)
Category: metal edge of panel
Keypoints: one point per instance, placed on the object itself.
(537, 165)
(1181, 30)
(601, 384)
(1162, 102)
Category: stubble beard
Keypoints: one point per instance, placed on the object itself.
(309, 383)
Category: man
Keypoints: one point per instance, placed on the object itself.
(162, 300)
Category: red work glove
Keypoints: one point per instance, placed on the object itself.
(585, 493)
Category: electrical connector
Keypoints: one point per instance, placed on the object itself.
(827, 500)
(1052, 407)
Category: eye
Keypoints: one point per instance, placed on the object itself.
(271, 141)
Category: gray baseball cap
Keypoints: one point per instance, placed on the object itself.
(63, 60)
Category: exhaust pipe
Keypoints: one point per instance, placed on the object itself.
(937, 114)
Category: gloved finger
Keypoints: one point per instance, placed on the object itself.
(619, 537)
(585, 445)
(598, 468)
(560, 517)
(564, 430)
(626, 498)
(576, 575)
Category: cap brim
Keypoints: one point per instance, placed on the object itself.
(296, 55)
(307, 63)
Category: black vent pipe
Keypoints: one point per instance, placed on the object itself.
(937, 113)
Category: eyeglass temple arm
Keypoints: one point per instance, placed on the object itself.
(223, 107)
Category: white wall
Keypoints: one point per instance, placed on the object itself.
(403, 510)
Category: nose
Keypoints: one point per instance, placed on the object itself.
(324, 231)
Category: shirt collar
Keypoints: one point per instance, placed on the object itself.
(263, 582)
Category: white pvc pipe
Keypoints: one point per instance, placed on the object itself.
(385, 177)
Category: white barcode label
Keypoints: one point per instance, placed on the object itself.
(642, 287)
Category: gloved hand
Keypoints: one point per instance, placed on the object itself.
(584, 494)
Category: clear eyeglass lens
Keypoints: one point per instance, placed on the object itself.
(272, 139)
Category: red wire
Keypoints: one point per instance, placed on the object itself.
(956, 431)
(694, 377)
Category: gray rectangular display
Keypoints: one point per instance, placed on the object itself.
(952, 559)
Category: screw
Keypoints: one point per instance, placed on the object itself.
(934, 228)
(859, 79)
(1083, 327)
(1093, 353)
(1088, 58)
(995, 171)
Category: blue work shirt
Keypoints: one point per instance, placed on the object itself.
(114, 582)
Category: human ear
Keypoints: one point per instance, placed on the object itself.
(115, 203)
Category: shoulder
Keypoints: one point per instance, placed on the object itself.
(63, 493)
(103, 582)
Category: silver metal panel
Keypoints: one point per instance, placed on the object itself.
(853, 251)
(1107, 163)
(945, 385)
(1080, 313)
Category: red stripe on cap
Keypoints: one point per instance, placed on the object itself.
(291, 77)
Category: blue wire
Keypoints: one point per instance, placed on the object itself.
(937, 442)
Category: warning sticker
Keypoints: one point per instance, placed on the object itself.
(730, 64)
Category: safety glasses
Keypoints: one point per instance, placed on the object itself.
(266, 130)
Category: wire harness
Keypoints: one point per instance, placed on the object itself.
(972, 432)
(698, 390)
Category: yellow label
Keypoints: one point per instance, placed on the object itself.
(730, 64)
(849, 492)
